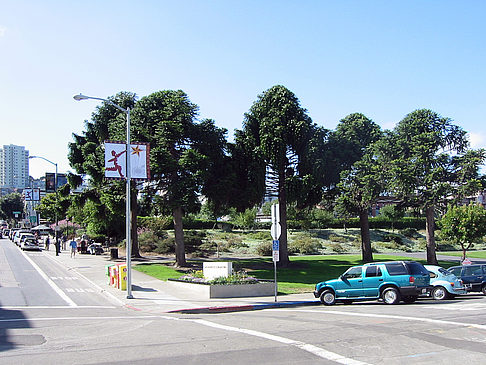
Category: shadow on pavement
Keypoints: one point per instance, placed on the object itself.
(13, 319)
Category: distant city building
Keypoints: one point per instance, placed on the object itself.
(14, 167)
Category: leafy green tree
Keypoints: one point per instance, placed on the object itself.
(54, 205)
(360, 182)
(464, 225)
(186, 158)
(348, 143)
(245, 220)
(285, 146)
(10, 203)
(393, 213)
(359, 188)
(102, 204)
(427, 161)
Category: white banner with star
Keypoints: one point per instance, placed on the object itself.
(116, 160)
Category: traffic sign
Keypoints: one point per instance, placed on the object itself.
(275, 245)
(275, 229)
(276, 256)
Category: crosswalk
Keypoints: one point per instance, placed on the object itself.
(462, 306)
(80, 290)
(71, 279)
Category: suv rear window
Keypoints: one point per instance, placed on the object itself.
(416, 268)
(396, 268)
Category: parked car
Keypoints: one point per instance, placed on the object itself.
(473, 276)
(29, 242)
(390, 281)
(17, 234)
(12, 232)
(24, 236)
(445, 285)
(6, 232)
(95, 249)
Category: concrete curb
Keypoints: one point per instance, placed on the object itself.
(243, 308)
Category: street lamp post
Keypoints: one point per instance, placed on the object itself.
(128, 178)
(57, 201)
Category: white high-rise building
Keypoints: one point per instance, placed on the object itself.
(14, 167)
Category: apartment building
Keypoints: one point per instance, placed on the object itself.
(14, 167)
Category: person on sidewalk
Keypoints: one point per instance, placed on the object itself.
(74, 246)
(47, 243)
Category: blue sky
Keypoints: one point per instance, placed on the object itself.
(381, 58)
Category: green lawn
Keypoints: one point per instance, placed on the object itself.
(302, 275)
(472, 254)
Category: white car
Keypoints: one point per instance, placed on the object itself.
(18, 234)
(29, 242)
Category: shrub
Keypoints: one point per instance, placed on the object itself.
(391, 237)
(165, 246)
(410, 232)
(337, 247)
(304, 246)
(260, 236)
(264, 249)
(336, 238)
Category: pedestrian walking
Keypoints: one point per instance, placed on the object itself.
(47, 243)
(74, 246)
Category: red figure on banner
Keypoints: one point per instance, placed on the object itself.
(115, 167)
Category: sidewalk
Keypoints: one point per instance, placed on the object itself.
(157, 296)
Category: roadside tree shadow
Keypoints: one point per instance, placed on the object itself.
(10, 319)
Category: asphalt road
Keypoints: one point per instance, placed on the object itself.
(40, 325)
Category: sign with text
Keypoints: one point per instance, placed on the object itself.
(213, 270)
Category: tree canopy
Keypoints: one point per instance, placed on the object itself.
(186, 157)
(427, 161)
(282, 139)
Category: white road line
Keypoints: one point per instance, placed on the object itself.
(111, 296)
(389, 316)
(50, 282)
(317, 351)
(44, 319)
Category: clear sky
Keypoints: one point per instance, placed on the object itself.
(381, 58)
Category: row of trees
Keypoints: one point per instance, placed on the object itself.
(425, 161)
(9, 204)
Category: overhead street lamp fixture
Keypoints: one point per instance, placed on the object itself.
(128, 178)
(57, 201)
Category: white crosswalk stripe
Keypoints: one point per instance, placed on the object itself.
(64, 278)
(80, 290)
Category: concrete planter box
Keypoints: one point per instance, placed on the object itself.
(262, 289)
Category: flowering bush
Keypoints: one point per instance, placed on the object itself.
(240, 277)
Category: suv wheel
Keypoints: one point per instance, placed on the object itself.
(328, 297)
(483, 289)
(391, 296)
(440, 293)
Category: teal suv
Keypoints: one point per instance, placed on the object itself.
(390, 281)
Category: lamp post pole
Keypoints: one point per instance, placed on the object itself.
(57, 202)
(128, 202)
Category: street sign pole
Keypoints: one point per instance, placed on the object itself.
(275, 232)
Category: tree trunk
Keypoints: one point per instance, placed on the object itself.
(364, 223)
(180, 251)
(282, 202)
(133, 233)
(430, 235)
